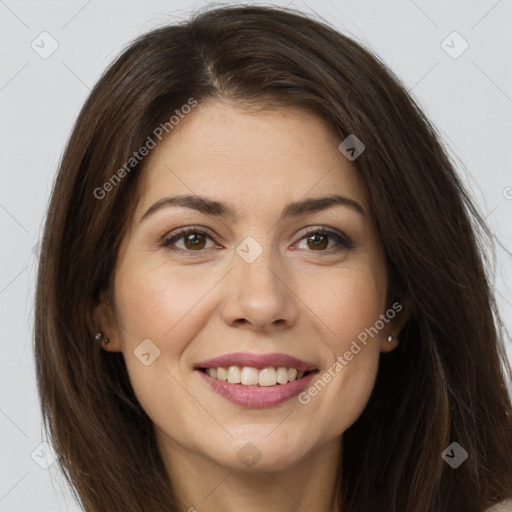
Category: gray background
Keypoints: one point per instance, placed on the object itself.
(469, 98)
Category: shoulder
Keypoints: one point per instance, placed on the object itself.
(503, 506)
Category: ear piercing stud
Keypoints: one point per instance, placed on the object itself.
(390, 338)
(99, 338)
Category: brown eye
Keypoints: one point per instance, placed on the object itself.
(194, 241)
(316, 242)
(188, 240)
(325, 240)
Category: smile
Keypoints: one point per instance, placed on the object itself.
(251, 380)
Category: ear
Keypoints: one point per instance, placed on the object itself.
(397, 314)
(105, 320)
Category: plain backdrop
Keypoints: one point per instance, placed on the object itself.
(467, 95)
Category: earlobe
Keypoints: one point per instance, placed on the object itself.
(389, 344)
(100, 338)
(395, 327)
(106, 326)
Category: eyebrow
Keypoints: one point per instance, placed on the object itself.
(220, 209)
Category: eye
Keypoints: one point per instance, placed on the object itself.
(194, 240)
(318, 240)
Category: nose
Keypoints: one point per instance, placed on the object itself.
(259, 295)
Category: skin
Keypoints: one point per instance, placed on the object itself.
(295, 298)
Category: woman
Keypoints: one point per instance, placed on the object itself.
(260, 287)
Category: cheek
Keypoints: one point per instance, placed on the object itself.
(158, 313)
(347, 302)
(348, 309)
(155, 302)
(160, 309)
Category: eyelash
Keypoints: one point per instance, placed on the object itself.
(173, 237)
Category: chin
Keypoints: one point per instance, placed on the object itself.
(262, 452)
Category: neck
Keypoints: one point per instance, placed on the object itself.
(201, 484)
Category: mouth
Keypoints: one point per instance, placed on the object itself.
(252, 380)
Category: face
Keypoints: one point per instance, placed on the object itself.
(291, 300)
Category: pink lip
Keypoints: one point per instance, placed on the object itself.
(257, 361)
(255, 396)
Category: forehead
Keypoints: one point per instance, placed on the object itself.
(251, 160)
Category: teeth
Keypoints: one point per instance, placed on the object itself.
(268, 377)
(249, 376)
(234, 374)
(282, 375)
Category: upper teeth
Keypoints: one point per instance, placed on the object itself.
(249, 376)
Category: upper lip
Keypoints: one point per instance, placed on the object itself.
(259, 361)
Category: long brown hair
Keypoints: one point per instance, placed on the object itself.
(447, 379)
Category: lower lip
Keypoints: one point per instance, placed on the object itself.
(256, 396)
